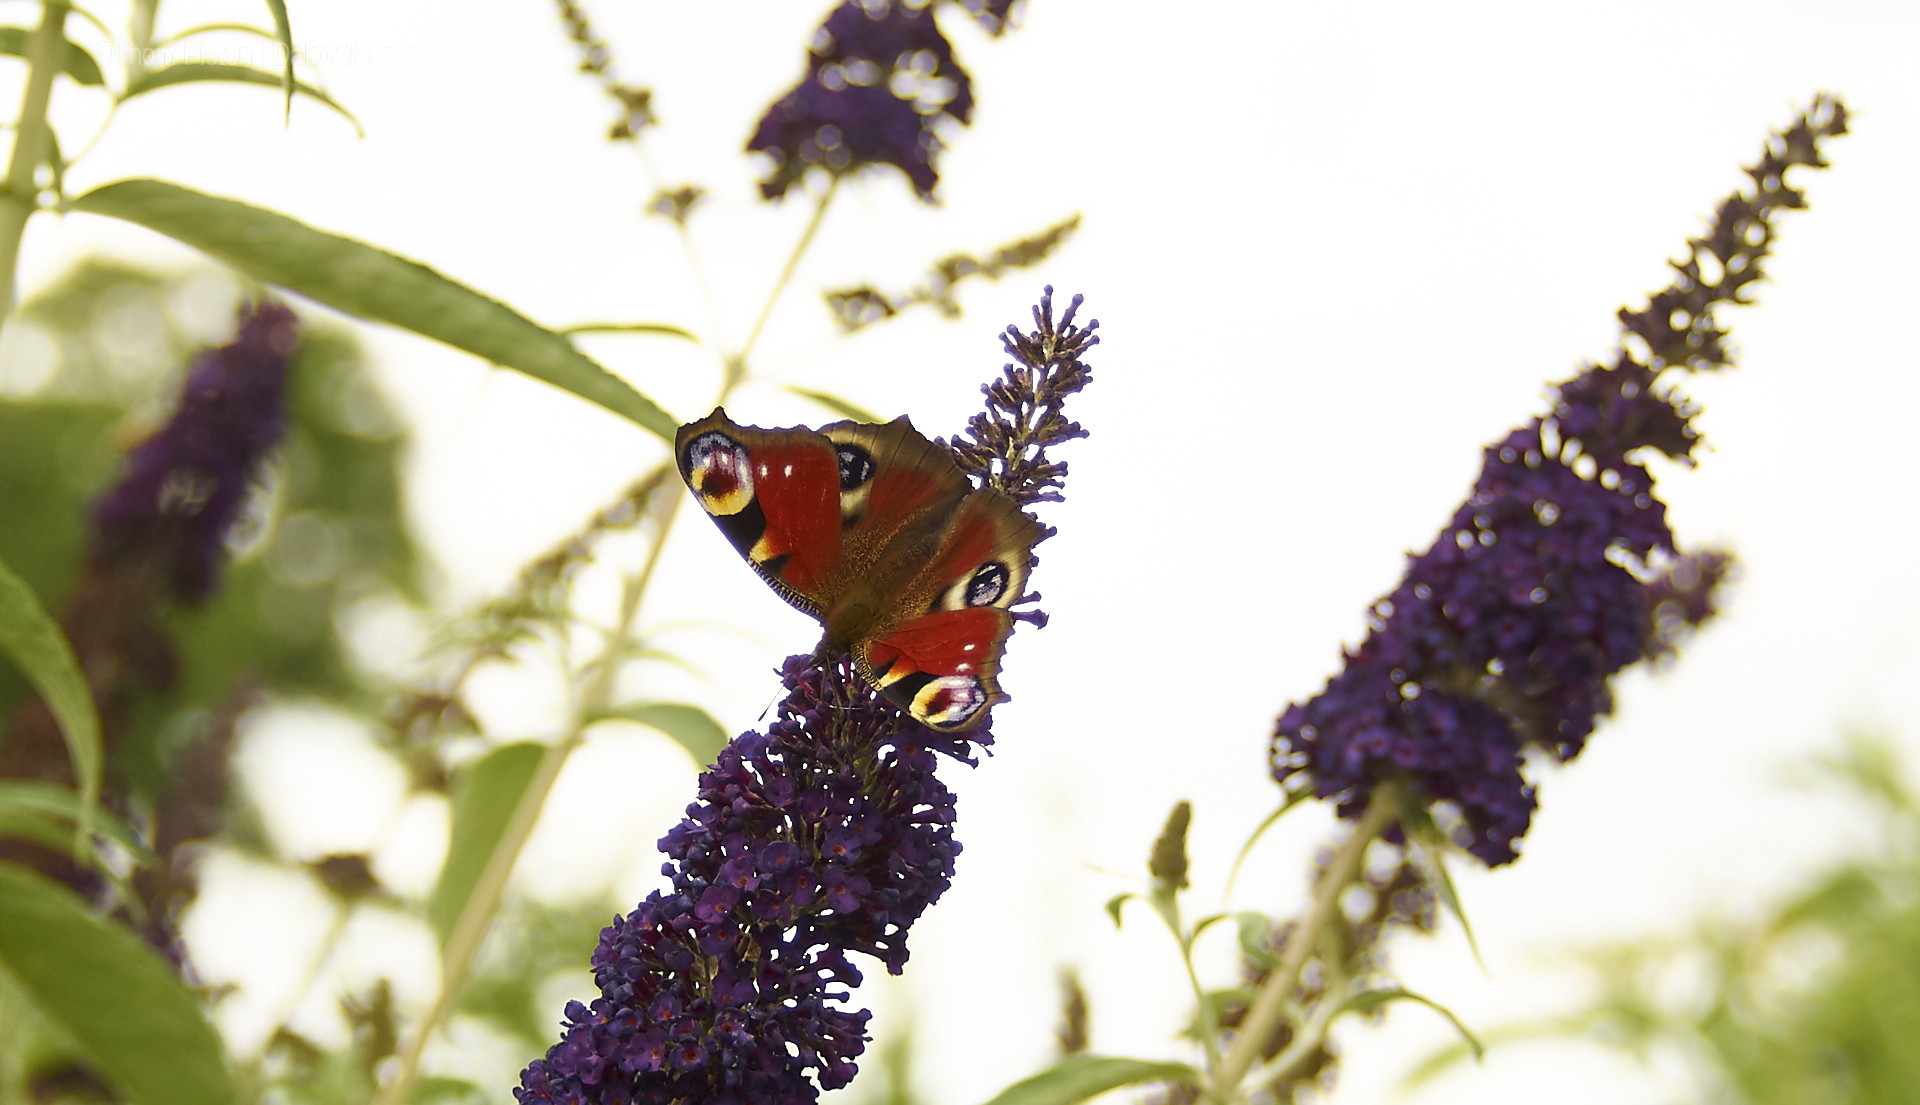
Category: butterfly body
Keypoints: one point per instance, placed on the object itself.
(875, 531)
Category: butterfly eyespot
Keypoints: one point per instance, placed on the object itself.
(987, 585)
(856, 465)
(719, 473)
(949, 702)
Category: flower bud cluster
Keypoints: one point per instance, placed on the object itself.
(184, 486)
(881, 83)
(827, 835)
(1507, 630)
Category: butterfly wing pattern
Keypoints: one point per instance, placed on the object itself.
(874, 530)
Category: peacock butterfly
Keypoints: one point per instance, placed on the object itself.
(874, 530)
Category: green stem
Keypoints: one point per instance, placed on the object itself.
(477, 917)
(464, 942)
(1270, 1004)
(45, 53)
(1208, 1029)
(737, 364)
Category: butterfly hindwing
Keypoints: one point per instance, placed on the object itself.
(876, 531)
(942, 664)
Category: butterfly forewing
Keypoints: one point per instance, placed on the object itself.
(776, 496)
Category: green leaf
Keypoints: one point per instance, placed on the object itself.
(663, 328)
(1368, 1000)
(1114, 905)
(209, 28)
(118, 1000)
(1079, 1077)
(1294, 798)
(191, 72)
(837, 405)
(369, 283)
(1205, 923)
(692, 727)
(485, 794)
(1425, 835)
(79, 64)
(1254, 929)
(35, 643)
(53, 804)
(283, 29)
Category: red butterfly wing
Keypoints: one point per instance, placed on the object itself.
(775, 494)
(874, 530)
(943, 664)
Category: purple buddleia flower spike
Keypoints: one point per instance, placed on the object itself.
(1547, 582)
(184, 486)
(995, 16)
(881, 84)
(825, 836)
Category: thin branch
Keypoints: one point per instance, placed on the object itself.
(1264, 1015)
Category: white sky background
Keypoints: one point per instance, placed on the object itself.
(1336, 250)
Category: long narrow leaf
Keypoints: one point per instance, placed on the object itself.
(54, 804)
(79, 64)
(118, 1000)
(664, 329)
(1367, 1000)
(191, 72)
(484, 797)
(283, 29)
(209, 28)
(693, 728)
(369, 283)
(1427, 837)
(1079, 1077)
(35, 643)
(837, 405)
(1294, 798)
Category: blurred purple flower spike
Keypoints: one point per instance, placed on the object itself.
(183, 486)
(880, 80)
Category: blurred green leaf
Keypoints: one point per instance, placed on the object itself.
(209, 28)
(118, 999)
(1115, 904)
(485, 794)
(195, 72)
(664, 329)
(283, 29)
(528, 944)
(1079, 1077)
(1254, 929)
(36, 644)
(837, 405)
(369, 283)
(1293, 798)
(693, 728)
(441, 1089)
(79, 64)
(61, 807)
(1419, 826)
(1207, 922)
(1368, 1000)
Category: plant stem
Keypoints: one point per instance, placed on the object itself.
(737, 364)
(1208, 1029)
(1264, 1016)
(45, 53)
(477, 917)
(464, 942)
